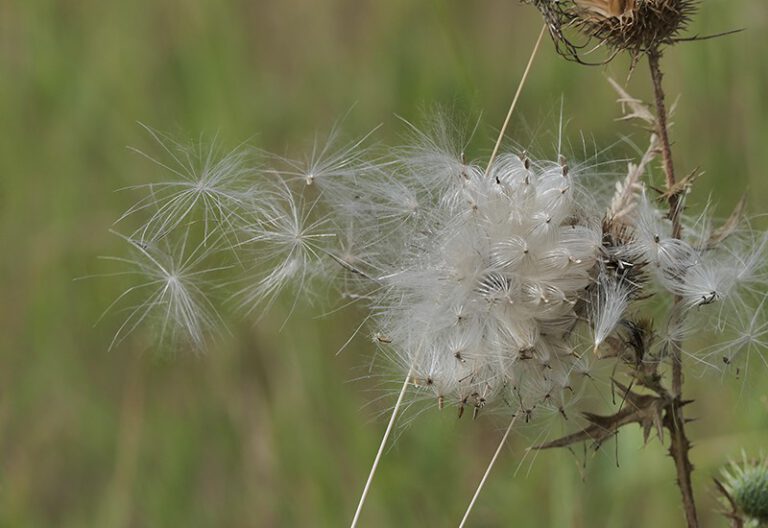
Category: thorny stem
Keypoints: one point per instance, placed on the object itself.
(674, 419)
(679, 446)
(662, 130)
(488, 471)
(384, 439)
(654, 57)
(734, 516)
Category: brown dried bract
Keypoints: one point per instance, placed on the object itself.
(636, 26)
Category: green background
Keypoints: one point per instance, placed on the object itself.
(272, 428)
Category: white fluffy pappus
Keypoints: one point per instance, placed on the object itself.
(284, 246)
(171, 293)
(207, 185)
(473, 275)
(493, 289)
(608, 306)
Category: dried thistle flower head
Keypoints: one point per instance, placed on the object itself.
(637, 26)
(746, 488)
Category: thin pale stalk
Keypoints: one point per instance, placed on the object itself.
(515, 99)
(488, 471)
(376, 460)
(407, 378)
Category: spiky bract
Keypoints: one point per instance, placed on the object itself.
(636, 26)
(747, 486)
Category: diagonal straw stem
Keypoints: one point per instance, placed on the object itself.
(381, 448)
(487, 170)
(400, 397)
(487, 472)
(515, 99)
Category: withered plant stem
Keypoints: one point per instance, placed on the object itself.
(654, 58)
(675, 421)
(375, 465)
(488, 471)
(515, 99)
(679, 446)
(408, 377)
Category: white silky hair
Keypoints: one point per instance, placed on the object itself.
(609, 305)
(483, 282)
(285, 246)
(171, 291)
(508, 255)
(209, 185)
(743, 334)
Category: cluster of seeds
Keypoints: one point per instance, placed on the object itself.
(485, 285)
(494, 284)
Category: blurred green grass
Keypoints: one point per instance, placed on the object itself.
(268, 430)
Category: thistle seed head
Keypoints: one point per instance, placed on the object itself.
(491, 286)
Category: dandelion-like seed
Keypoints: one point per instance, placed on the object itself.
(171, 294)
(207, 186)
(496, 288)
(746, 336)
(286, 242)
(329, 166)
(609, 306)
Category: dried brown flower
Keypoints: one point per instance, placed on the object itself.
(636, 26)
